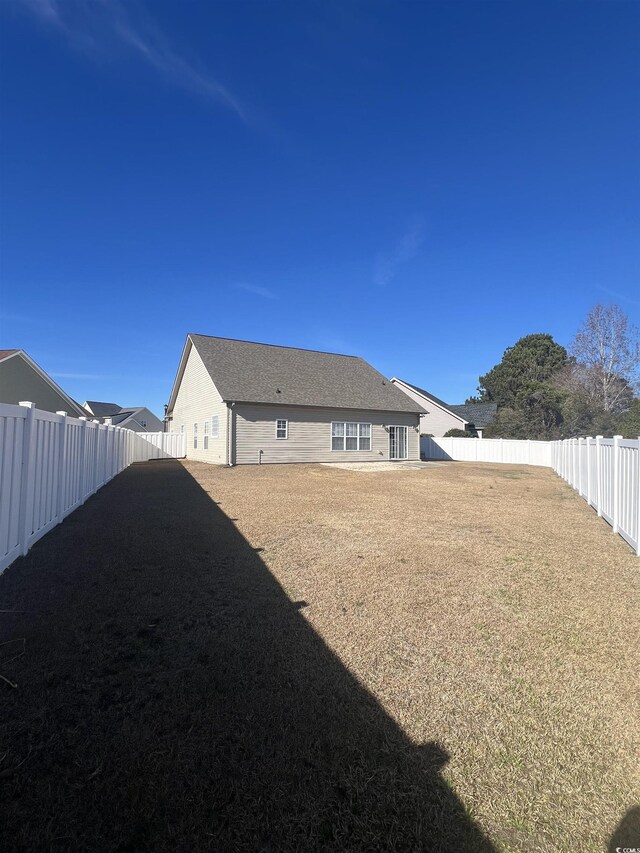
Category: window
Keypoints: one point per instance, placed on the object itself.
(195, 436)
(214, 427)
(364, 436)
(350, 436)
(205, 437)
(282, 428)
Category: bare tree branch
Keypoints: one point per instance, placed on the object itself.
(607, 352)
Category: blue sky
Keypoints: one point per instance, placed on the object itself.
(417, 183)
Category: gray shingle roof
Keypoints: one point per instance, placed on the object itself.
(248, 372)
(122, 415)
(478, 414)
(103, 410)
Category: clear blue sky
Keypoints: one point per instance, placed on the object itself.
(417, 183)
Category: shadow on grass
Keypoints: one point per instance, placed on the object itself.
(172, 697)
(627, 834)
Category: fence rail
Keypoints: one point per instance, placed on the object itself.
(604, 471)
(51, 463)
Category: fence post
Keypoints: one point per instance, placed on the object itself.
(638, 499)
(96, 457)
(588, 440)
(26, 478)
(501, 450)
(61, 463)
(82, 467)
(599, 475)
(616, 481)
(579, 454)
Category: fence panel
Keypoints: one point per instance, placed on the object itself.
(51, 463)
(488, 450)
(12, 422)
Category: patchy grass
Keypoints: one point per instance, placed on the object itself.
(308, 658)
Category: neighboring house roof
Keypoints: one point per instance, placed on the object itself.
(74, 408)
(119, 416)
(248, 372)
(478, 414)
(102, 410)
(122, 415)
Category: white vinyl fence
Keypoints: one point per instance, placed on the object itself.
(50, 464)
(604, 471)
(488, 450)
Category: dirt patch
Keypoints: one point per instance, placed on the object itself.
(302, 658)
(382, 467)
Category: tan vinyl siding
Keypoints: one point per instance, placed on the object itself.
(309, 434)
(198, 400)
(437, 421)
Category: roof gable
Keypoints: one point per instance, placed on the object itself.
(73, 407)
(244, 371)
(430, 398)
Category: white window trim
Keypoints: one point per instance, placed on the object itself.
(205, 437)
(344, 437)
(285, 421)
(215, 433)
(195, 436)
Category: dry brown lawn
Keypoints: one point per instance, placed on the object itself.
(488, 609)
(306, 658)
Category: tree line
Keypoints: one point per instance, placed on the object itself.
(544, 391)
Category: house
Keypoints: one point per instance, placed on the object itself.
(21, 379)
(241, 403)
(440, 417)
(136, 418)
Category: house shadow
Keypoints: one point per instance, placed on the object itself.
(627, 833)
(173, 698)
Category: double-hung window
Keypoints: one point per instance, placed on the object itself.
(205, 437)
(195, 436)
(346, 435)
(214, 427)
(282, 428)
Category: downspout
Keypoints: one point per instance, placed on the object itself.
(230, 434)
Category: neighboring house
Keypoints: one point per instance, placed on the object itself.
(22, 380)
(136, 418)
(440, 417)
(245, 403)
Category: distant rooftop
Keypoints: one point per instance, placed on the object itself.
(102, 410)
